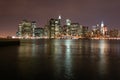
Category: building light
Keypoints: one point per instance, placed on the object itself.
(13, 37)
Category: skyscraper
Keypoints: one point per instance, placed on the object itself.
(54, 27)
(102, 28)
(68, 22)
(26, 29)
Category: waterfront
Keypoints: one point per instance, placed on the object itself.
(54, 59)
(9, 42)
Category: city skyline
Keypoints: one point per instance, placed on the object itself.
(85, 12)
(54, 30)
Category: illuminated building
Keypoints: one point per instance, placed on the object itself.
(80, 31)
(74, 29)
(68, 22)
(33, 28)
(67, 30)
(102, 28)
(39, 32)
(26, 29)
(46, 31)
(96, 31)
(84, 31)
(54, 28)
(114, 33)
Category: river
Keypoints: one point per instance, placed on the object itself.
(55, 59)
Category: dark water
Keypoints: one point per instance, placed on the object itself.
(61, 60)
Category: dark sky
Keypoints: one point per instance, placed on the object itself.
(86, 12)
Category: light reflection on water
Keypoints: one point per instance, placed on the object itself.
(68, 59)
(103, 58)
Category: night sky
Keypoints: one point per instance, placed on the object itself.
(86, 12)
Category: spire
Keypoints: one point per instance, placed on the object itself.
(59, 17)
(102, 24)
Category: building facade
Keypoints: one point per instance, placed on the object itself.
(26, 29)
(53, 29)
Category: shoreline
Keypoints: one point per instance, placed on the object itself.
(71, 38)
(9, 42)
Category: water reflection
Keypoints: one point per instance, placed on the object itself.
(62, 58)
(27, 50)
(68, 59)
(103, 56)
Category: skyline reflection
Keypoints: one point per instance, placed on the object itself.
(103, 58)
(70, 59)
